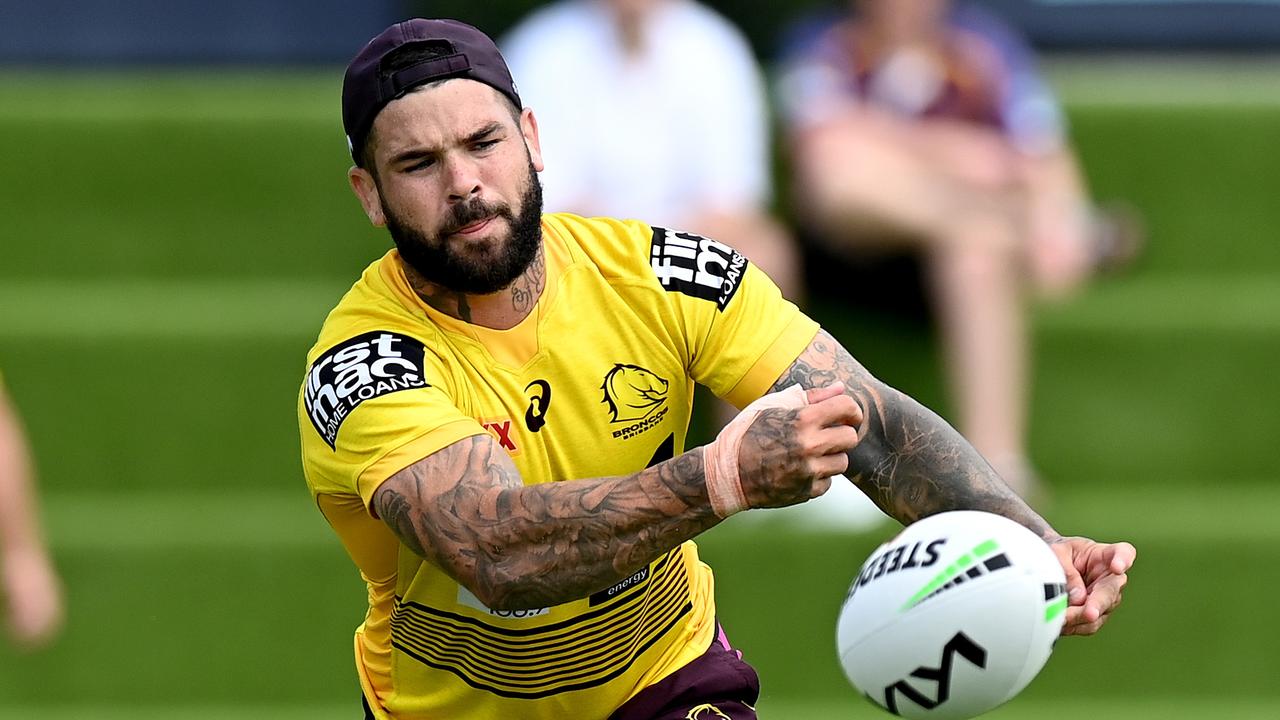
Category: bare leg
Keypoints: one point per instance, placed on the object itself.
(978, 298)
(969, 218)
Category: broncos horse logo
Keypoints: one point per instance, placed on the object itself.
(706, 712)
(632, 392)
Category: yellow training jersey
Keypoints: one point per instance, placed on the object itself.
(597, 381)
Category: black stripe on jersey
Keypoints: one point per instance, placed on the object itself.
(535, 654)
(532, 667)
(431, 627)
(628, 585)
(665, 451)
(547, 692)
(660, 567)
(540, 672)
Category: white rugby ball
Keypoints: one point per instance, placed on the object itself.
(953, 617)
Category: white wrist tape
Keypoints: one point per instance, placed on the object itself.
(720, 458)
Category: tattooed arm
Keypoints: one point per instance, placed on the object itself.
(913, 464)
(465, 509)
(908, 460)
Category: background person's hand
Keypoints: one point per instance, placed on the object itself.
(33, 596)
(1096, 576)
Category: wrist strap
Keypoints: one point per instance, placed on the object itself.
(720, 458)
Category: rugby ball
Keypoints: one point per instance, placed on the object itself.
(952, 617)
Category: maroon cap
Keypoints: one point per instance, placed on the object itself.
(367, 87)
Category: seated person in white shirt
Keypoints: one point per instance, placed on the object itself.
(654, 109)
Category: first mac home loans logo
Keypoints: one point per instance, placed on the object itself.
(696, 266)
(362, 368)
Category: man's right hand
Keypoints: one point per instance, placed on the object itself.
(788, 455)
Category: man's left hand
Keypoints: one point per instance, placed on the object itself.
(1096, 576)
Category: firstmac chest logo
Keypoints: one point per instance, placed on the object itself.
(362, 368)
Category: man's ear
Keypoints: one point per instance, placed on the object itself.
(363, 185)
(529, 129)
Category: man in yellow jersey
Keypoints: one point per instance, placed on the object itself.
(494, 417)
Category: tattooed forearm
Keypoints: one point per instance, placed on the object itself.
(908, 460)
(395, 511)
(516, 547)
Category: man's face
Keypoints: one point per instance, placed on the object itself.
(456, 185)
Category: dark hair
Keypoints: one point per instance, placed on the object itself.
(407, 56)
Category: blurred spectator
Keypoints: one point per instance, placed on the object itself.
(653, 109)
(921, 127)
(31, 590)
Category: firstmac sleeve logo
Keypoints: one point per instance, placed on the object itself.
(696, 266)
(365, 367)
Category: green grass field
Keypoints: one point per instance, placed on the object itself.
(172, 241)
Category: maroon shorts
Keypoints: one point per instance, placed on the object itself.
(717, 685)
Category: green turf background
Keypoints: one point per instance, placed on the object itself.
(170, 243)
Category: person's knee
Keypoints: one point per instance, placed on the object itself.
(977, 264)
(990, 227)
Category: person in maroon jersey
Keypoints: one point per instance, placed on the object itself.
(923, 129)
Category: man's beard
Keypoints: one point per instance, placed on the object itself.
(480, 273)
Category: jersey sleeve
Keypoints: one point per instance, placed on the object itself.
(740, 333)
(372, 405)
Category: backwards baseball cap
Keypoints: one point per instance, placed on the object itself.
(465, 52)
